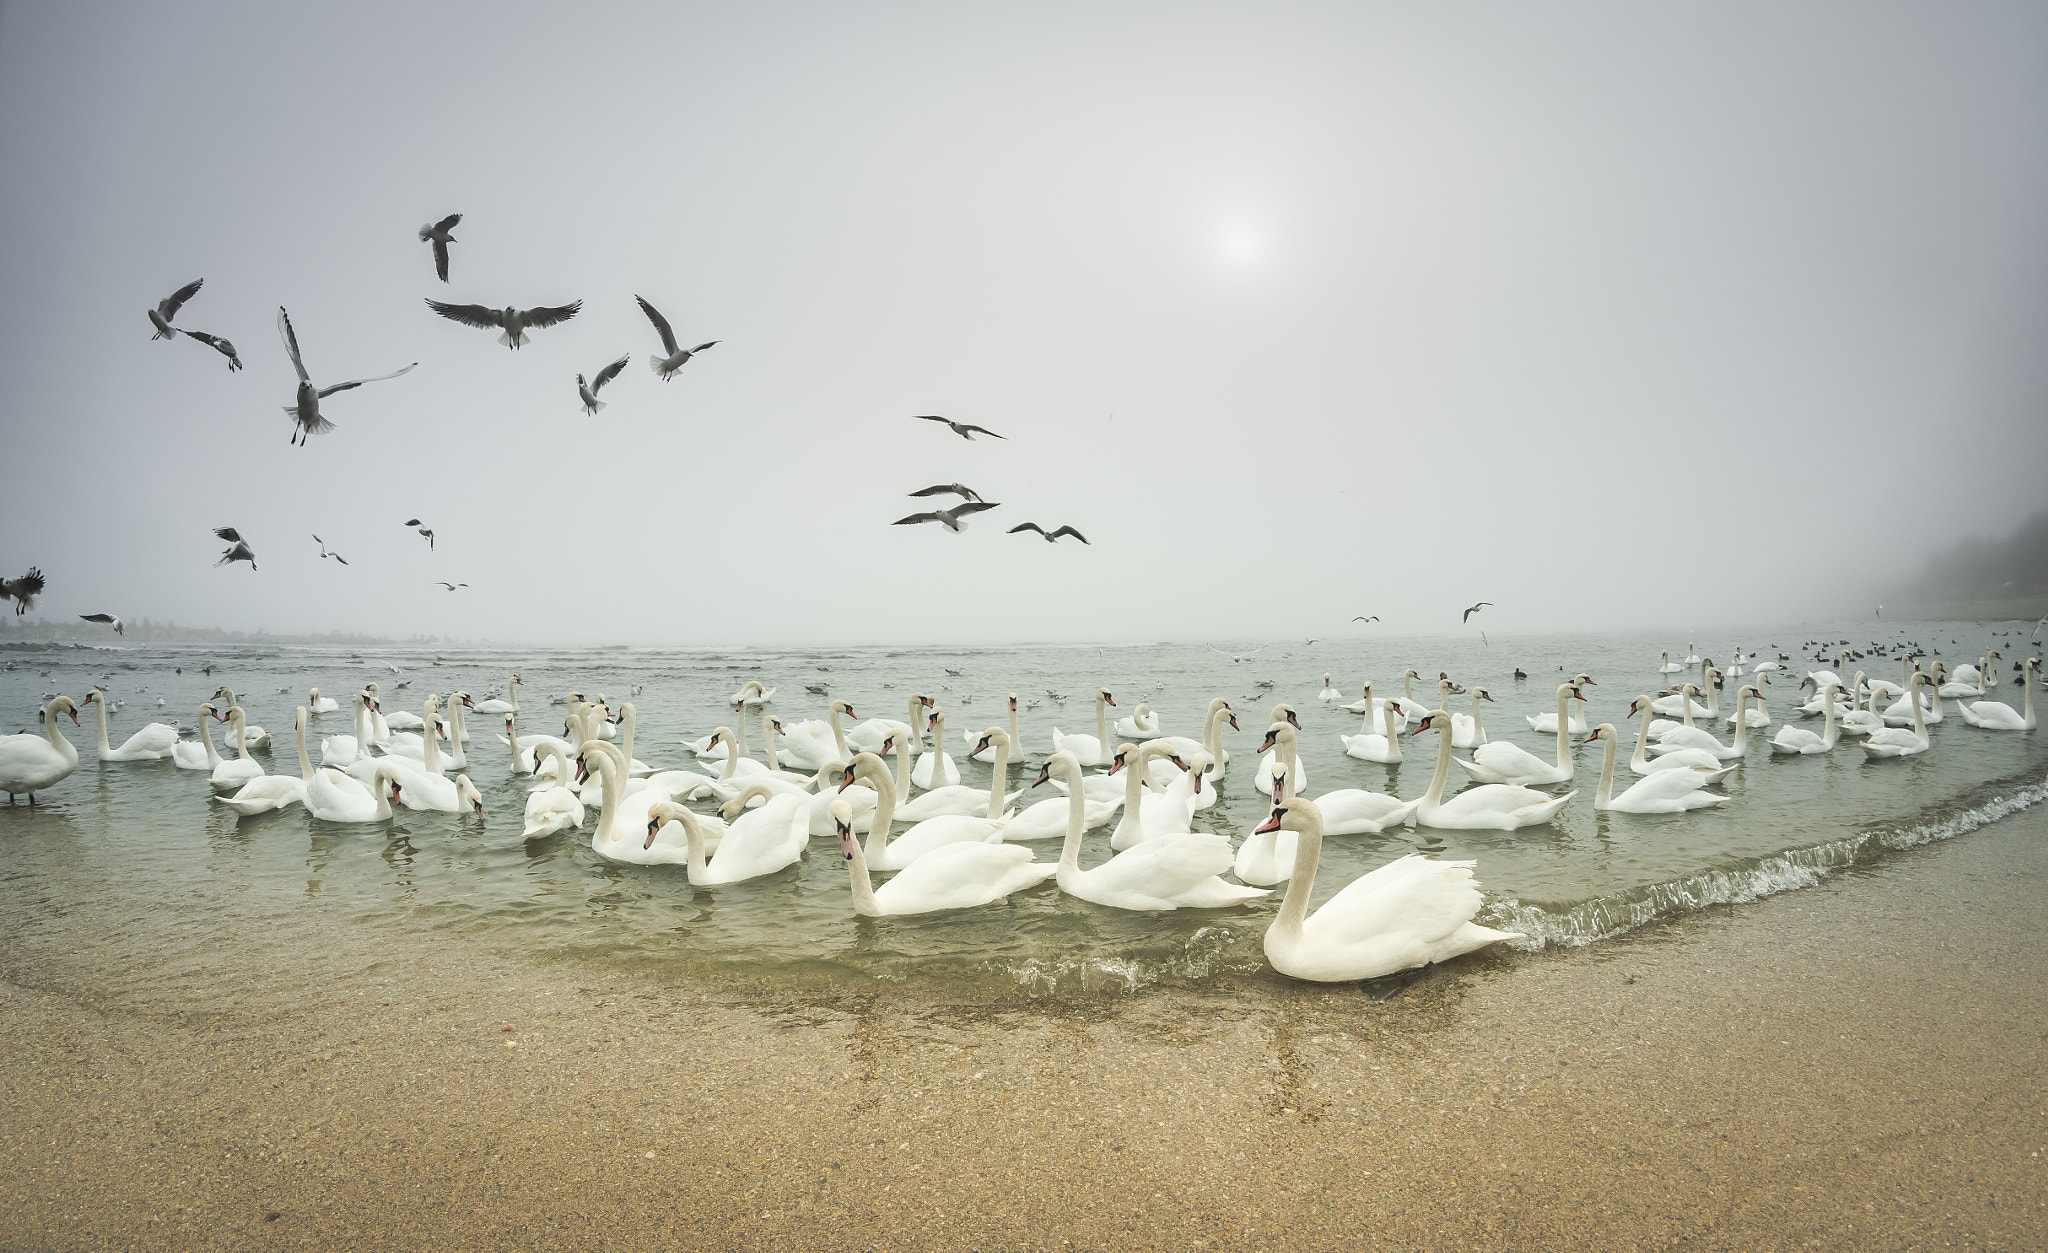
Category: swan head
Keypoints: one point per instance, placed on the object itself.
(1122, 759)
(1636, 706)
(738, 804)
(467, 791)
(1284, 712)
(1273, 735)
(1435, 720)
(1483, 694)
(993, 735)
(62, 704)
(1063, 763)
(1411, 674)
(1102, 694)
(313, 693)
(842, 822)
(866, 765)
(1605, 731)
(1297, 813)
(660, 815)
(1013, 702)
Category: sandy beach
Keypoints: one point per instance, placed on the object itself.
(1854, 1066)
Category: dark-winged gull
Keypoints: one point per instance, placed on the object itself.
(324, 553)
(1484, 604)
(238, 549)
(23, 591)
(167, 308)
(219, 345)
(228, 533)
(588, 391)
(1364, 618)
(427, 533)
(105, 619)
(306, 413)
(964, 430)
(513, 322)
(951, 517)
(1050, 536)
(961, 490)
(676, 356)
(436, 233)
(451, 586)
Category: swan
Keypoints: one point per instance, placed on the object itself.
(1046, 820)
(1759, 717)
(1926, 710)
(1659, 792)
(151, 743)
(1146, 814)
(1172, 872)
(553, 807)
(332, 796)
(503, 707)
(1263, 778)
(757, 841)
(400, 720)
(954, 799)
(956, 876)
(1996, 715)
(1546, 724)
(231, 773)
(318, 704)
(275, 791)
(1692, 654)
(860, 801)
(701, 838)
(886, 854)
(983, 754)
(1676, 759)
(1489, 806)
(527, 754)
(1351, 810)
(1089, 750)
(1680, 703)
(621, 833)
(1896, 742)
(813, 745)
(1965, 680)
(1694, 737)
(1267, 856)
(1384, 747)
(1192, 787)
(197, 754)
(1799, 741)
(1858, 720)
(866, 737)
(1410, 912)
(1141, 722)
(1364, 703)
(335, 750)
(459, 705)
(1502, 762)
(30, 763)
(420, 790)
(1467, 731)
(1669, 666)
(934, 767)
(253, 737)
(1329, 694)
(1211, 742)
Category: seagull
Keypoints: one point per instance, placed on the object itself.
(1362, 618)
(167, 308)
(306, 413)
(962, 429)
(1235, 657)
(219, 345)
(106, 618)
(677, 357)
(1050, 536)
(588, 391)
(513, 322)
(951, 517)
(436, 233)
(961, 490)
(452, 586)
(429, 534)
(238, 551)
(324, 553)
(23, 590)
(1484, 604)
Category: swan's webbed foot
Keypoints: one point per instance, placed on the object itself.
(1386, 987)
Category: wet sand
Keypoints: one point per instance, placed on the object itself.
(1854, 1066)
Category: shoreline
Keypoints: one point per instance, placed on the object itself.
(1854, 1065)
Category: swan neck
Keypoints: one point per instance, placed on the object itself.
(1014, 739)
(1102, 723)
(430, 755)
(838, 733)
(767, 739)
(205, 737)
(742, 720)
(105, 748)
(457, 759)
(1741, 720)
(1641, 757)
(1134, 784)
(862, 882)
(1308, 853)
(999, 783)
(1435, 795)
(1077, 818)
(884, 784)
(1564, 749)
(916, 719)
(305, 762)
(1287, 781)
(1606, 793)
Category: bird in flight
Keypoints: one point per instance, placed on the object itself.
(963, 429)
(105, 619)
(451, 586)
(167, 308)
(1363, 618)
(219, 345)
(513, 322)
(426, 532)
(951, 517)
(324, 553)
(961, 490)
(306, 413)
(588, 391)
(1484, 604)
(678, 356)
(436, 233)
(1238, 656)
(1050, 536)
(238, 548)
(23, 591)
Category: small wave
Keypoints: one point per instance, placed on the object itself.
(1605, 917)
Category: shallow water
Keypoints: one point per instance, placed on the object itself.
(187, 887)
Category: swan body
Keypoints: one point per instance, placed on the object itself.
(1669, 666)
(232, 772)
(318, 704)
(813, 744)
(1693, 737)
(1994, 715)
(275, 791)
(1798, 741)
(1141, 722)
(1467, 731)
(553, 808)
(1146, 814)
(1857, 720)
(503, 707)
(1659, 792)
(31, 762)
(1171, 872)
(336, 750)
(1382, 747)
(152, 743)
(934, 768)
(421, 790)
(886, 854)
(1488, 807)
(1089, 750)
(1896, 741)
(332, 796)
(957, 876)
(1046, 820)
(1502, 762)
(1676, 759)
(764, 841)
(1329, 695)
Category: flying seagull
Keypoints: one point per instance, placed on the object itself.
(1484, 604)
(588, 391)
(167, 308)
(951, 517)
(428, 534)
(23, 590)
(1050, 536)
(677, 356)
(436, 233)
(1363, 618)
(961, 490)
(1238, 656)
(963, 429)
(324, 553)
(228, 533)
(107, 619)
(513, 322)
(451, 586)
(238, 550)
(219, 345)
(306, 413)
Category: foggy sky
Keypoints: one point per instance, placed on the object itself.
(1610, 315)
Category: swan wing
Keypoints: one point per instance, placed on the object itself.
(961, 876)
(1421, 899)
(1166, 866)
(1511, 760)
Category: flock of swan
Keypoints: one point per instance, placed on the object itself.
(948, 845)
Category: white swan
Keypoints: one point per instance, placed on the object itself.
(332, 796)
(1692, 654)
(1146, 814)
(972, 740)
(1680, 703)
(1171, 872)
(934, 767)
(1675, 759)
(1965, 681)
(495, 706)
(421, 790)
(860, 801)
(866, 737)
(952, 800)
(886, 854)
(1089, 750)
(1267, 854)
(29, 763)
(1545, 724)
(1694, 737)
(1759, 716)
(335, 750)
(957, 876)
(1263, 777)
(1502, 762)
(1925, 711)
(1802, 742)
(1659, 792)
(231, 773)
(1487, 807)
(1384, 747)
(757, 841)
(1329, 694)
(253, 737)
(1410, 912)
(1467, 731)
(152, 743)
(1669, 666)
(1142, 721)
(1211, 742)
(813, 745)
(1895, 742)
(1352, 810)
(1858, 720)
(621, 833)
(318, 704)
(1046, 820)
(552, 807)
(197, 754)
(1996, 715)
(275, 791)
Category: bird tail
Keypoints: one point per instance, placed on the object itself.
(593, 406)
(654, 363)
(510, 340)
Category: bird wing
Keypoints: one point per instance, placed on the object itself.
(469, 315)
(171, 303)
(982, 429)
(342, 387)
(228, 533)
(609, 373)
(661, 327)
(548, 315)
(1373, 618)
(933, 417)
(448, 223)
(971, 506)
(1025, 526)
(920, 517)
(214, 342)
(412, 521)
(940, 489)
(1067, 530)
(441, 260)
(707, 344)
(291, 343)
(97, 617)
(338, 557)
